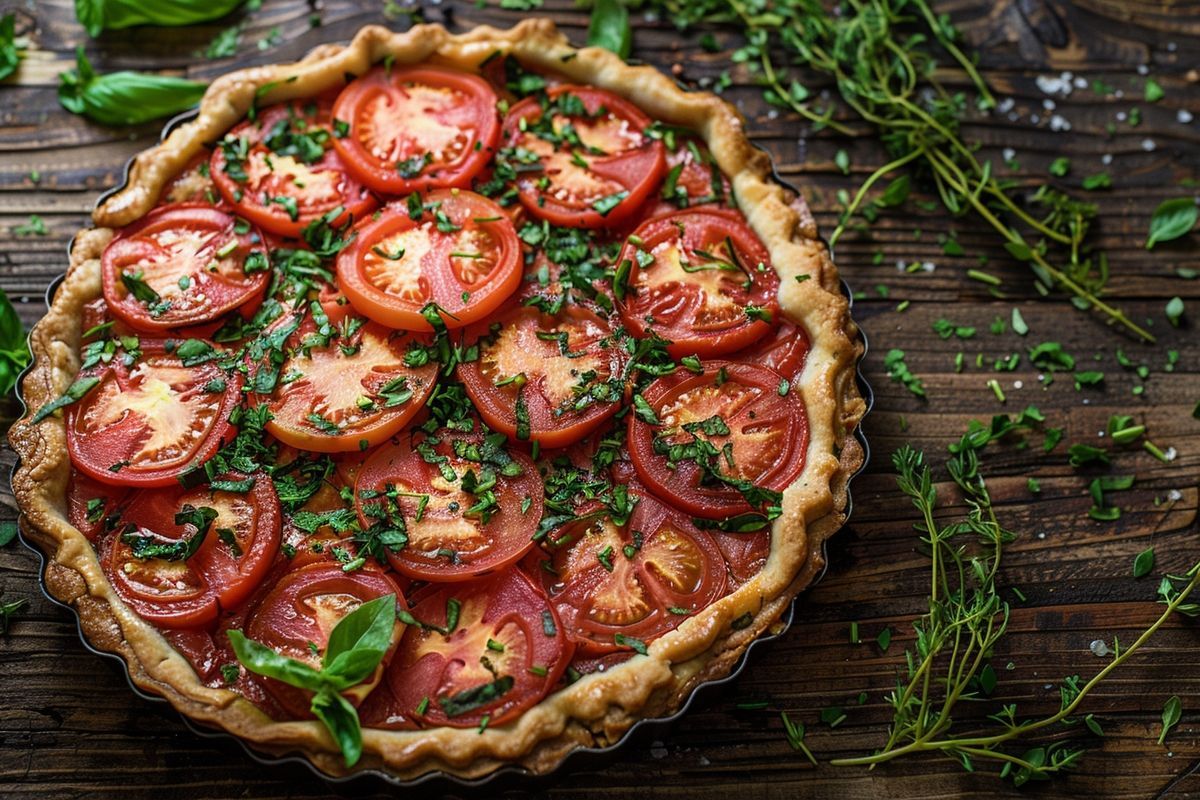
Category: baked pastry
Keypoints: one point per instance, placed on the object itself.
(518, 333)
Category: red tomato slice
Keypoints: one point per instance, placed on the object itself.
(686, 285)
(638, 581)
(91, 503)
(303, 608)
(144, 424)
(418, 128)
(785, 352)
(767, 434)
(281, 172)
(547, 379)
(745, 553)
(346, 387)
(597, 163)
(236, 553)
(461, 254)
(467, 505)
(693, 176)
(183, 265)
(504, 653)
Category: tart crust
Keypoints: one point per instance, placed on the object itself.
(596, 710)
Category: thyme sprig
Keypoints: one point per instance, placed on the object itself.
(967, 617)
(887, 58)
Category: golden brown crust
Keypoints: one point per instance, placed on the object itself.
(598, 709)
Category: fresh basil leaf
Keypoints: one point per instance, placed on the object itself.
(124, 98)
(1172, 219)
(341, 720)
(262, 660)
(100, 15)
(359, 641)
(1144, 563)
(74, 392)
(1172, 711)
(609, 27)
(10, 52)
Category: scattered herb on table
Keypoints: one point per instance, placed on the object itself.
(36, 226)
(1172, 711)
(10, 47)
(14, 346)
(967, 617)
(7, 611)
(1171, 220)
(124, 98)
(356, 646)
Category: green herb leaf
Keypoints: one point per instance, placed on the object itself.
(360, 640)
(124, 98)
(8, 532)
(341, 720)
(10, 51)
(263, 660)
(101, 15)
(74, 392)
(476, 697)
(1171, 220)
(1174, 311)
(1144, 563)
(609, 28)
(1172, 711)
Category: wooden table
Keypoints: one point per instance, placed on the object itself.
(70, 727)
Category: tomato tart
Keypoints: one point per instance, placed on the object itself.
(517, 347)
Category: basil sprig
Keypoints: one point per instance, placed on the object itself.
(356, 646)
(124, 98)
(100, 15)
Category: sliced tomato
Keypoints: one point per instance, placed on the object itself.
(237, 551)
(692, 178)
(745, 553)
(92, 505)
(466, 504)
(700, 279)
(635, 581)
(487, 649)
(462, 254)
(183, 265)
(417, 128)
(785, 351)
(193, 184)
(346, 387)
(597, 165)
(767, 437)
(547, 379)
(280, 169)
(297, 616)
(144, 424)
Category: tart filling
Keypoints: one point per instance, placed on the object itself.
(519, 334)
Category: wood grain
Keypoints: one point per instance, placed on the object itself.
(71, 728)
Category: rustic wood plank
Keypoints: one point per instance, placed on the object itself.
(70, 726)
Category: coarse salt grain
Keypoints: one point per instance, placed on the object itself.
(1059, 123)
(1184, 116)
(1175, 495)
(1099, 647)
(1106, 159)
(1148, 145)
(1009, 154)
